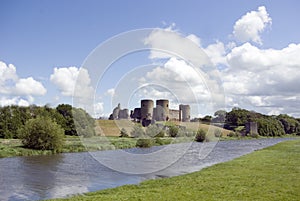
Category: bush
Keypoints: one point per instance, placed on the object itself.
(137, 131)
(42, 133)
(123, 133)
(232, 134)
(200, 136)
(153, 130)
(144, 143)
(218, 132)
(173, 131)
(160, 134)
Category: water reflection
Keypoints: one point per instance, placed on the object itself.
(43, 177)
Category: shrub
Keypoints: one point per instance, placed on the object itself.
(218, 132)
(160, 134)
(123, 133)
(42, 133)
(232, 134)
(173, 131)
(152, 130)
(137, 131)
(200, 136)
(144, 143)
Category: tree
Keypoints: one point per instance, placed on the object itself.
(270, 126)
(84, 123)
(68, 125)
(42, 133)
(290, 124)
(220, 116)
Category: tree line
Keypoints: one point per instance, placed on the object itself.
(73, 121)
(268, 125)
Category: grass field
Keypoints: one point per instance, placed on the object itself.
(112, 128)
(269, 174)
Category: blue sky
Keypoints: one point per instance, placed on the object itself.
(38, 36)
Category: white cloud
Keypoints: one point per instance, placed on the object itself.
(110, 92)
(72, 81)
(167, 43)
(4, 101)
(250, 26)
(216, 52)
(15, 90)
(65, 79)
(98, 109)
(266, 79)
(26, 86)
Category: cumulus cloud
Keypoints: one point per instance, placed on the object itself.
(72, 81)
(267, 79)
(15, 90)
(167, 43)
(250, 26)
(179, 82)
(26, 86)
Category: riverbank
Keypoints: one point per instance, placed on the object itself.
(269, 174)
(14, 147)
(73, 144)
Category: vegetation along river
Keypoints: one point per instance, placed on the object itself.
(43, 177)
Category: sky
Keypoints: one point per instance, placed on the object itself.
(209, 54)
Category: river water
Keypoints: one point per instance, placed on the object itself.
(44, 177)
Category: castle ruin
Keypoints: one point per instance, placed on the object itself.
(147, 113)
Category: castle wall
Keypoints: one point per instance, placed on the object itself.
(174, 115)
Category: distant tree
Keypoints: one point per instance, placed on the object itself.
(290, 124)
(220, 116)
(270, 126)
(206, 119)
(42, 133)
(84, 123)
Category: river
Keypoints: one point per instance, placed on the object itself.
(55, 176)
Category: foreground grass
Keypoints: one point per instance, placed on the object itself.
(269, 174)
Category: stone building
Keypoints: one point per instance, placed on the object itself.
(147, 113)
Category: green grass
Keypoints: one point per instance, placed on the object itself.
(269, 174)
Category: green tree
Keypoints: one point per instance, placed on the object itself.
(42, 133)
(220, 116)
(270, 126)
(68, 124)
(290, 124)
(84, 123)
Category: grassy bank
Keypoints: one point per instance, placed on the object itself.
(14, 147)
(269, 174)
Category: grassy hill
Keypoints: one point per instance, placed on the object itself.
(113, 127)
